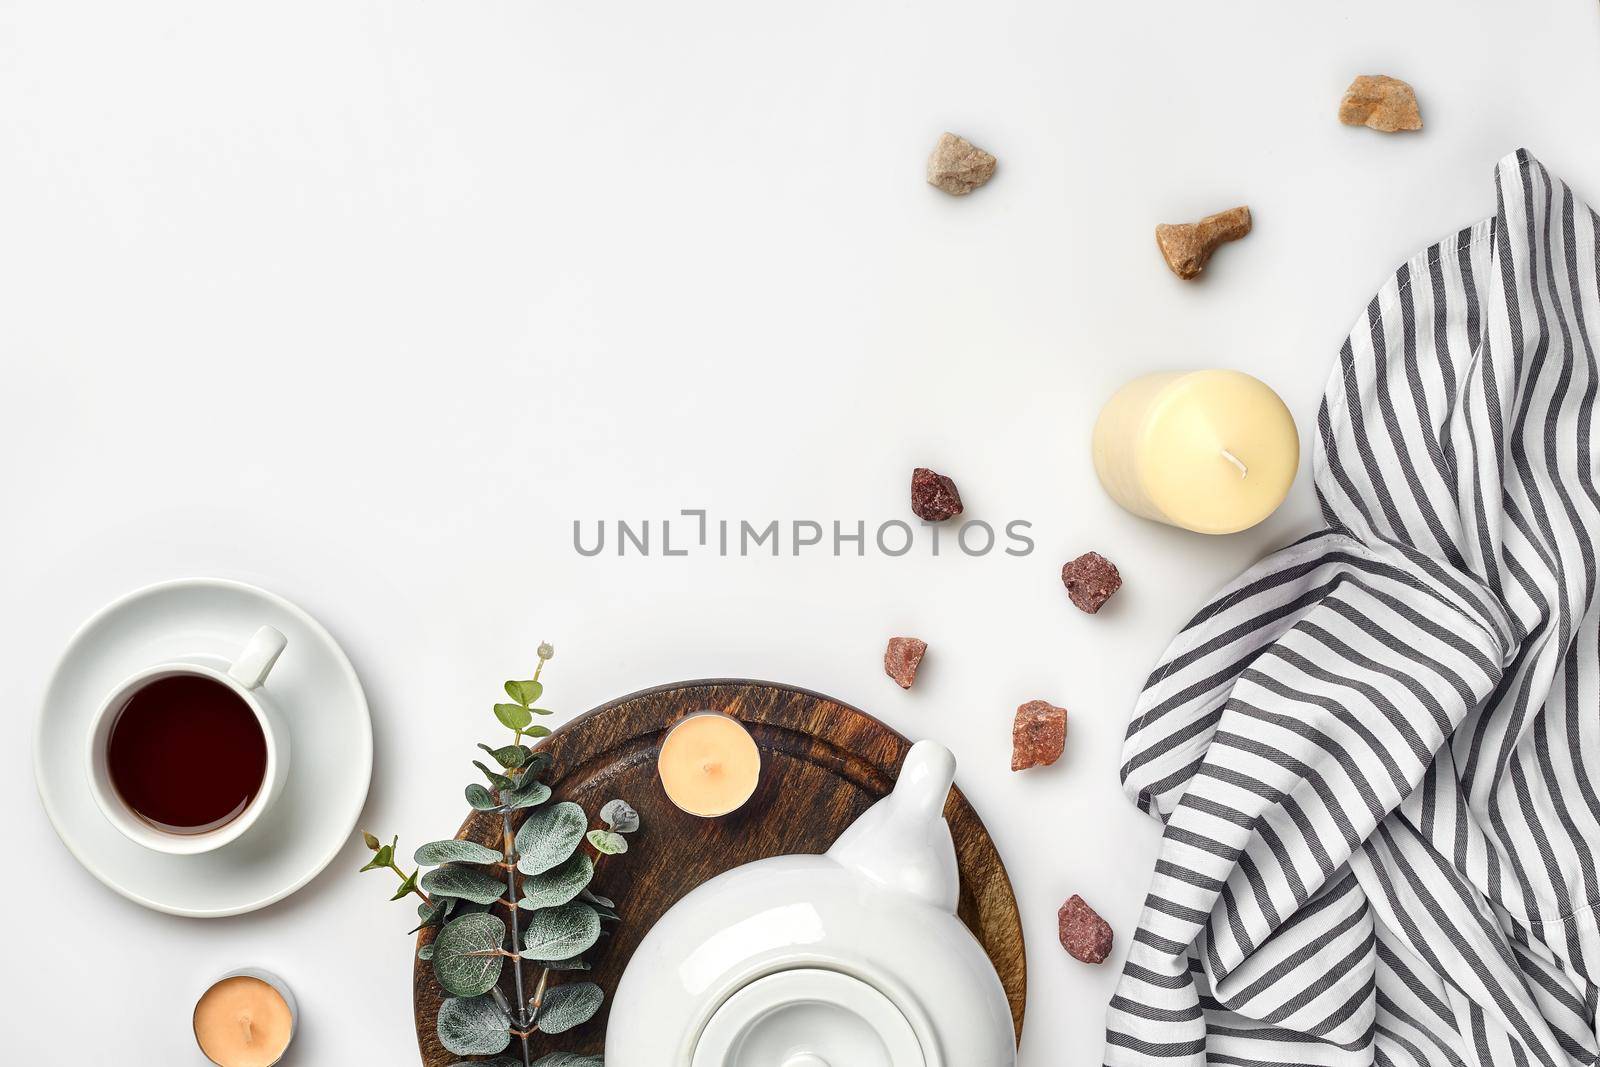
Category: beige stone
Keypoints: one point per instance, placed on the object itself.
(1188, 246)
(958, 166)
(1382, 103)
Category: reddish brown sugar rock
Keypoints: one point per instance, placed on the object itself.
(1091, 579)
(1084, 934)
(902, 659)
(1038, 735)
(933, 496)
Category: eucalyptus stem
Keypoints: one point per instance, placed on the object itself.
(536, 1001)
(522, 1020)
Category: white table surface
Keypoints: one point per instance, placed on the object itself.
(367, 302)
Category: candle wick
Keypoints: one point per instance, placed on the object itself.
(711, 766)
(1244, 471)
(244, 1025)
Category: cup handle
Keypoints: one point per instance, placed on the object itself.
(255, 662)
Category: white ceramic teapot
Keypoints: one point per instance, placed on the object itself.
(854, 958)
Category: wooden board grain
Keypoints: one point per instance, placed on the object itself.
(823, 764)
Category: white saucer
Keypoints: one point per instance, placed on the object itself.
(323, 707)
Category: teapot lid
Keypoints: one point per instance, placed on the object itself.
(808, 1017)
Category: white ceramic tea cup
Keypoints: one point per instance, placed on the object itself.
(244, 677)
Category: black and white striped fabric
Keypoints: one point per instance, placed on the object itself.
(1377, 753)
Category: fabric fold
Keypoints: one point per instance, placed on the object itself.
(1377, 753)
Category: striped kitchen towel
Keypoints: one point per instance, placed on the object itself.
(1377, 753)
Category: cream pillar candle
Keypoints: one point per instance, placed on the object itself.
(246, 1019)
(709, 764)
(1213, 450)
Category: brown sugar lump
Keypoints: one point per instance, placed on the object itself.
(1187, 246)
(902, 658)
(1380, 103)
(934, 497)
(958, 166)
(1038, 735)
(1084, 934)
(1090, 579)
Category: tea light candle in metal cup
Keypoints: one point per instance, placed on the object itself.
(709, 764)
(246, 1019)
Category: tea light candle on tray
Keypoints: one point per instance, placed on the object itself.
(246, 1019)
(709, 764)
(1213, 451)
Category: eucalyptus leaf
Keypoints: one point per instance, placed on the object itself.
(557, 886)
(567, 1059)
(510, 757)
(605, 913)
(569, 1005)
(536, 731)
(571, 963)
(468, 883)
(556, 933)
(496, 779)
(513, 716)
(530, 793)
(430, 912)
(380, 859)
(607, 843)
(406, 885)
(620, 816)
(436, 852)
(467, 954)
(595, 898)
(425, 952)
(475, 1026)
(525, 693)
(480, 798)
(549, 836)
(507, 1061)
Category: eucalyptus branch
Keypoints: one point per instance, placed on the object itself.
(383, 859)
(541, 867)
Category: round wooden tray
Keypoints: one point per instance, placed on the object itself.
(823, 764)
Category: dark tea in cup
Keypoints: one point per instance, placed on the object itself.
(186, 754)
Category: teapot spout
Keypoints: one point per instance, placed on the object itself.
(903, 842)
